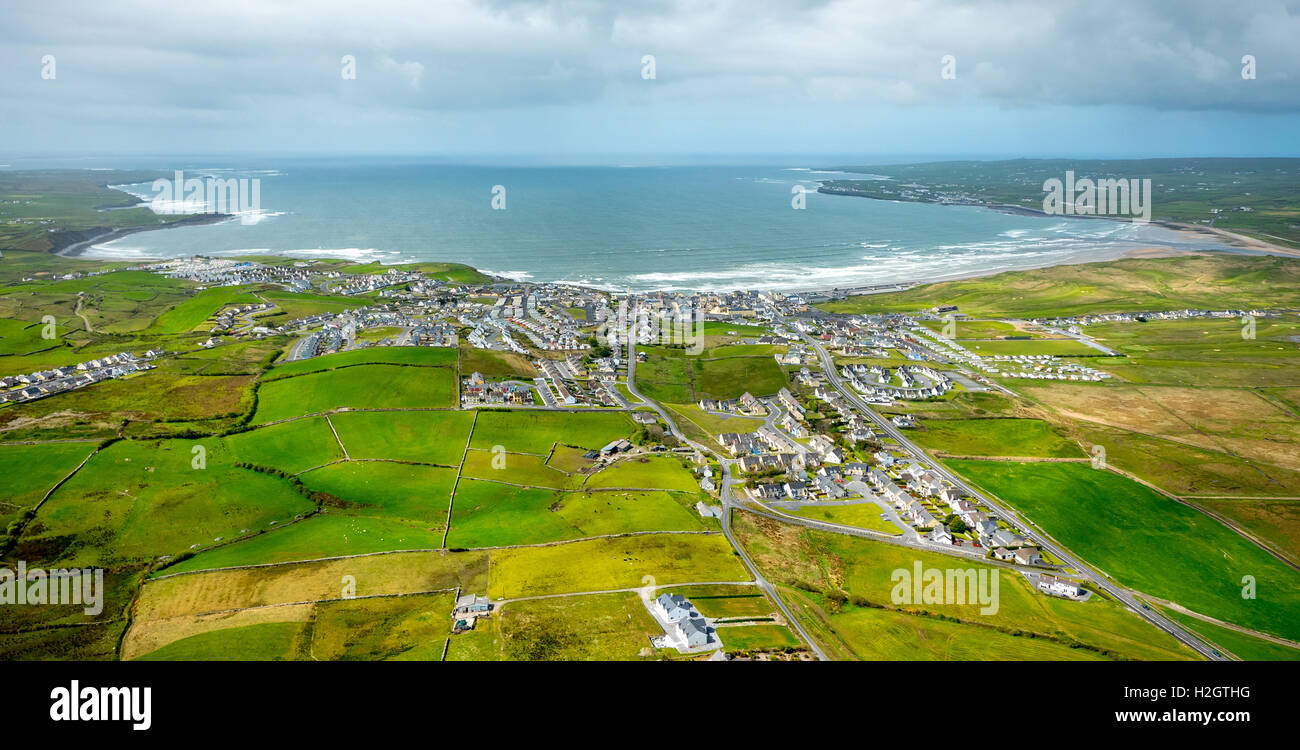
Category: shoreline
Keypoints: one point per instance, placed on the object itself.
(1235, 239)
(1231, 241)
(78, 249)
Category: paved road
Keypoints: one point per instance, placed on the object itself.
(727, 503)
(1085, 340)
(1099, 581)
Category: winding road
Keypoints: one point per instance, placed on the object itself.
(1097, 580)
(725, 493)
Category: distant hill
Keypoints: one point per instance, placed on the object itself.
(1257, 197)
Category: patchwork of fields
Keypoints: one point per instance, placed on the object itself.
(334, 507)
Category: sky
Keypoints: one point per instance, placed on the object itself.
(571, 80)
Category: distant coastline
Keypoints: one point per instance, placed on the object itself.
(100, 235)
(911, 261)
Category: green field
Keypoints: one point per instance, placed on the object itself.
(406, 628)
(164, 394)
(322, 535)
(1189, 470)
(886, 635)
(601, 627)
(412, 493)
(357, 387)
(190, 314)
(1052, 347)
(1274, 521)
(269, 641)
(32, 470)
(135, 501)
(536, 431)
(494, 364)
(1147, 541)
(290, 446)
(1204, 352)
(979, 329)
(727, 601)
(516, 468)
(818, 560)
(994, 437)
(426, 356)
(861, 515)
(487, 514)
(605, 564)
(1212, 281)
(711, 425)
(726, 372)
(1240, 645)
(758, 638)
(646, 473)
(434, 437)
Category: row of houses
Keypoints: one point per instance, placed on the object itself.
(479, 391)
(36, 385)
(746, 404)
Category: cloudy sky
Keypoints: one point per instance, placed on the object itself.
(566, 78)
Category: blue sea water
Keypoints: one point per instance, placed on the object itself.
(638, 228)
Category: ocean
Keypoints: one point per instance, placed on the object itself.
(631, 228)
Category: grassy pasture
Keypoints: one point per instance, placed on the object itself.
(322, 535)
(32, 470)
(1053, 347)
(861, 515)
(435, 437)
(290, 446)
(486, 514)
(536, 431)
(1189, 470)
(887, 635)
(726, 601)
(1147, 541)
(267, 641)
(410, 493)
(758, 638)
(1275, 521)
(425, 356)
(494, 364)
(1213, 281)
(161, 394)
(716, 424)
(1205, 352)
(660, 473)
(137, 500)
(406, 628)
(518, 468)
(995, 437)
(358, 387)
(600, 627)
(1232, 420)
(603, 564)
(789, 555)
(190, 314)
(1240, 645)
(669, 375)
